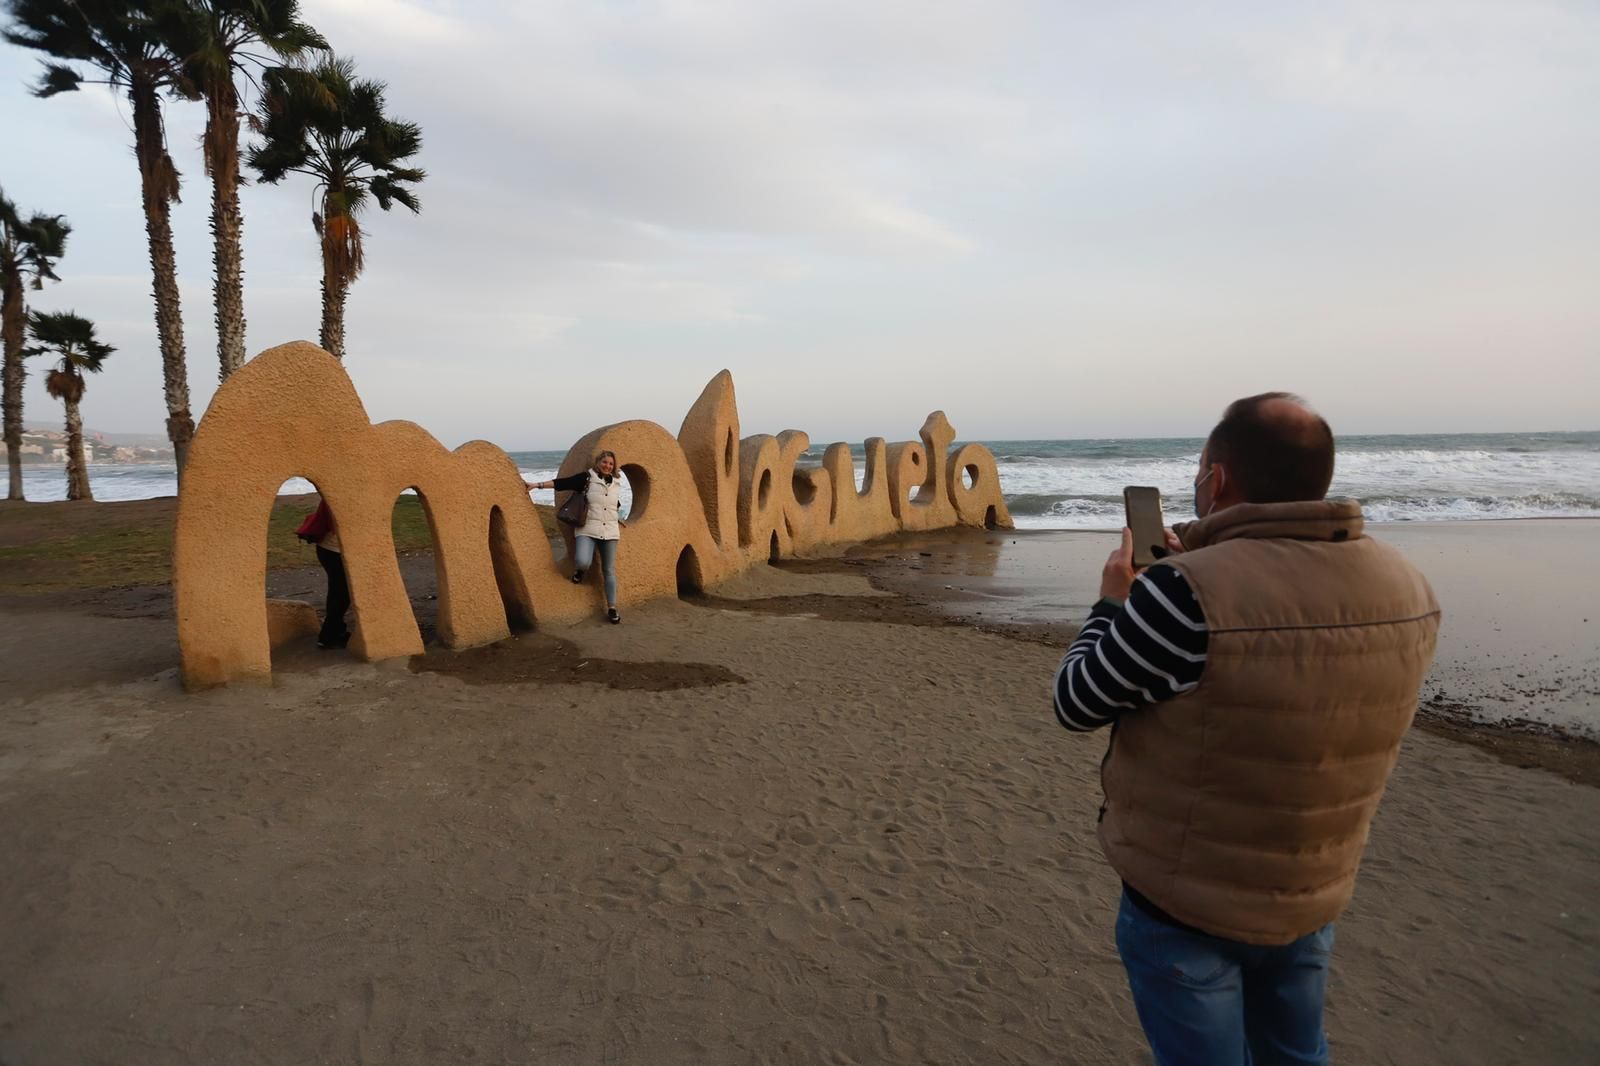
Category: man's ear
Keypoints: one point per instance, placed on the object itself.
(1221, 485)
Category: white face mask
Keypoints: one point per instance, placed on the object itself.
(1197, 485)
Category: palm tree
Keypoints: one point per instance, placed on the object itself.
(70, 338)
(27, 247)
(327, 124)
(117, 39)
(214, 39)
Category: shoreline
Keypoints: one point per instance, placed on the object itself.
(900, 566)
(1525, 745)
(976, 579)
(1027, 529)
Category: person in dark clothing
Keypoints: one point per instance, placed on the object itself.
(319, 529)
(334, 634)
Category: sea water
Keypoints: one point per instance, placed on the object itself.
(1077, 484)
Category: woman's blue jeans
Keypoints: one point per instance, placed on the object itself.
(1206, 1001)
(583, 556)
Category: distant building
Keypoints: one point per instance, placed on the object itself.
(46, 445)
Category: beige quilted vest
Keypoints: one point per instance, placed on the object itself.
(1243, 807)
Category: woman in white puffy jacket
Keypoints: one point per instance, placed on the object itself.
(602, 529)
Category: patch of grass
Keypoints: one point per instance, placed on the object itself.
(116, 554)
(119, 555)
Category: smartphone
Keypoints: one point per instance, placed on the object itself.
(1143, 506)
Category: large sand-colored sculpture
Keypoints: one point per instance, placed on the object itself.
(706, 505)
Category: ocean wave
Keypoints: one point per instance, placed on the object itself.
(1040, 503)
(1467, 508)
(1078, 484)
(1044, 511)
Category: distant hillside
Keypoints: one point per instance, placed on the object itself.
(125, 440)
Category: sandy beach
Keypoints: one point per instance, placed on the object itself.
(822, 815)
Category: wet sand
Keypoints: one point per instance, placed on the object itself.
(813, 817)
(1520, 640)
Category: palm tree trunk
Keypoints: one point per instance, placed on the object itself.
(77, 466)
(11, 325)
(227, 224)
(334, 291)
(158, 182)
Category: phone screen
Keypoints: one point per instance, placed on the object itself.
(1143, 506)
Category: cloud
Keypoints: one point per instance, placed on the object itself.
(1025, 212)
(393, 22)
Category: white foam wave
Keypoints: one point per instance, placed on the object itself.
(1067, 492)
(1074, 513)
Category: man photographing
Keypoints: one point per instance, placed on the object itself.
(1258, 682)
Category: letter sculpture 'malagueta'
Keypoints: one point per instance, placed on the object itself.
(706, 505)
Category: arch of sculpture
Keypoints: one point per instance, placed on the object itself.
(707, 504)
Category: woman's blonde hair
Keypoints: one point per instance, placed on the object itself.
(595, 466)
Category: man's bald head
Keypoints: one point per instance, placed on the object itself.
(1275, 448)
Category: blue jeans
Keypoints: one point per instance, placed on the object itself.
(583, 555)
(1206, 1001)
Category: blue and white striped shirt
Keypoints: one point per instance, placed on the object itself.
(1151, 649)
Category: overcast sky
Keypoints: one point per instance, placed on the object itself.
(1048, 219)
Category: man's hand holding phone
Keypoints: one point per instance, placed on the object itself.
(1118, 576)
(1142, 540)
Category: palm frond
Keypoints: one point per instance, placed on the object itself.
(319, 118)
(120, 38)
(70, 338)
(9, 218)
(57, 78)
(35, 242)
(65, 31)
(48, 235)
(388, 191)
